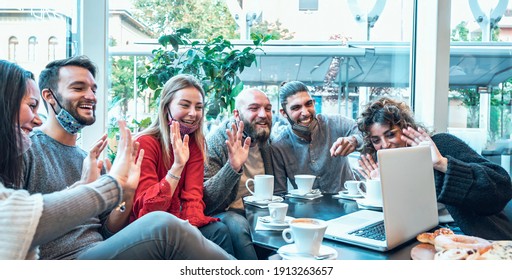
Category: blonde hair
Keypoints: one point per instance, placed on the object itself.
(160, 129)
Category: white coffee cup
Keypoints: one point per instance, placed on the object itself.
(304, 183)
(307, 234)
(263, 187)
(352, 187)
(373, 192)
(277, 212)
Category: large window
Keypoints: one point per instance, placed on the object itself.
(348, 52)
(481, 76)
(36, 32)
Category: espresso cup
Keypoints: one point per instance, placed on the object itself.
(352, 187)
(277, 212)
(373, 192)
(263, 187)
(307, 234)
(304, 183)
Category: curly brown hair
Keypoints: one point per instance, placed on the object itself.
(384, 111)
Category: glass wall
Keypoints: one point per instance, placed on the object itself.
(481, 77)
(33, 33)
(348, 52)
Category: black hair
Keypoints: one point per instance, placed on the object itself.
(49, 77)
(13, 85)
(290, 88)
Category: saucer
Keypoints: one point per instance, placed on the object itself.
(296, 192)
(274, 225)
(309, 195)
(363, 202)
(252, 200)
(346, 195)
(286, 250)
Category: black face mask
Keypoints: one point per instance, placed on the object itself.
(301, 130)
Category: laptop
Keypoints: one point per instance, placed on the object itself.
(409, 204)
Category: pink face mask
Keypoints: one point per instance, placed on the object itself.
(184, 129)
(25, 143)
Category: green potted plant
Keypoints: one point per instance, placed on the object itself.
(215, 62)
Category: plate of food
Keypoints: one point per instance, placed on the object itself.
(443, 244)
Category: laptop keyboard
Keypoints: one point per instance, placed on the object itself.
(375, 231)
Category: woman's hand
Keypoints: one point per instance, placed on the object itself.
(92, 165)
(179, 146)
(237, 152)
(368, 167)
(415, 137)
(125, 169)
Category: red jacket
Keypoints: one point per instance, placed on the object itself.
(154, 192)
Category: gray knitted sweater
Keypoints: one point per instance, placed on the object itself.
(221, 181)
(51, 166)
(294, 155)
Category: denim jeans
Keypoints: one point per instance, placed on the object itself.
(157, 236)
(219, 234)
(240, 232)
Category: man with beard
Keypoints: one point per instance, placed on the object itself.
(237, 150)
(54, 160)
(302, 147)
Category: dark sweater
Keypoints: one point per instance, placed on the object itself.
(474, 190)
(221, 181)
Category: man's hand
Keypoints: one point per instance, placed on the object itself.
(91, 168)
(343, 146)
(237, 152)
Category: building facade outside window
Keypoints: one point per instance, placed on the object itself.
(52, 47)
(13, 44)
(32, 42)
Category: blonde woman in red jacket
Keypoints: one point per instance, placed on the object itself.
(172, 172)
